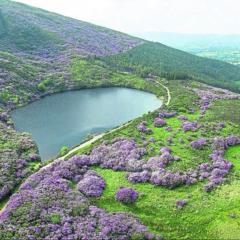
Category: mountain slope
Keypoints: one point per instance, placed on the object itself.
(33, 30)
(37, 47)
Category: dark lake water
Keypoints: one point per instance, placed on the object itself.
(66, 119)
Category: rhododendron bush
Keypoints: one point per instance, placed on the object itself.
(126, 195)
(48, 206)
(17, 153)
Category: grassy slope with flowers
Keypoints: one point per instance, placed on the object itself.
(207, 215)
(213, 215)
(30, 70)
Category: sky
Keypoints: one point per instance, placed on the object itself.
(138, 16)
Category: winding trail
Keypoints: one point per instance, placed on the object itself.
(168, 92)
(91, 141)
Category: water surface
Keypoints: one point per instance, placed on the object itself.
(66, 119)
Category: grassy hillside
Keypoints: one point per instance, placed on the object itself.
(158, 59)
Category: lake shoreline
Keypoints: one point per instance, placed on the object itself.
(49, 118)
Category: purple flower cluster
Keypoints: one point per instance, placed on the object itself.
(167, 114)
(232, 141)
(168, 179)
(217, 171)
(57, 196)
(190, 126)
(165, 150)
(122, 154)
(199, 144)
(168, 129)
(159, 122)
(48, 206)
(154, 171)
(143, 129)
(17, 152)
(139, 177)
(209, 94)
(152, 139)
(182, 118)
(92, 185)
(220, 167)
(126, 195)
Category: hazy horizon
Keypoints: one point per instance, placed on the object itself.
(156, 16)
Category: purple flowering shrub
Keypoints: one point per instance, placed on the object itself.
(199, 144)
(117, 155)
(210, 94)
(154, 171)
(123, 154)
(159, 122)
(220, 167)
(63, 210)
(47, 207)
(167, 114)
(92, 185)
(139, 177)
(168, 129)
(17, 152)
(190, 126)
(182, 118)
(167, 179)
(143, 129)
(126, 195)
(181, 203)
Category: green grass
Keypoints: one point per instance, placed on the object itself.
(233, 155)
(214, 215)
(200, 219)
(225, 110)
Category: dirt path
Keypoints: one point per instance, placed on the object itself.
(168, 92)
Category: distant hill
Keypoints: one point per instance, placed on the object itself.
(185, 41)
(215, 46)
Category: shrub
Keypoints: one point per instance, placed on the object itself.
(126, 195)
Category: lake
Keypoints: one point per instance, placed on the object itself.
(66, 119)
